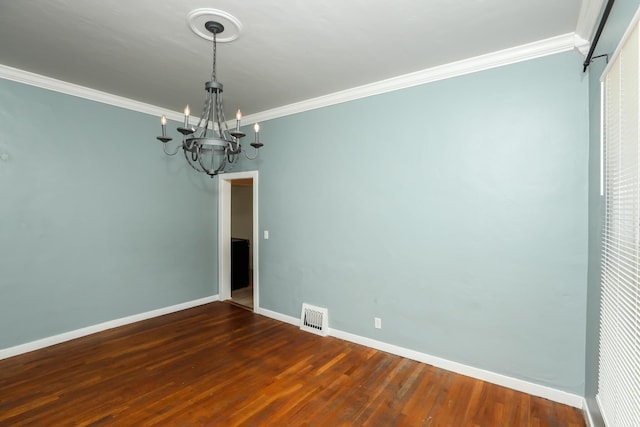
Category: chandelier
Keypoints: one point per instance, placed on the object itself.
(209, 146)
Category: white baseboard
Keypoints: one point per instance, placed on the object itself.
(278, 316)
(533, 389)
(67, 336)
(587, 414)
(470, 371)
(481, 374)
(603, 413)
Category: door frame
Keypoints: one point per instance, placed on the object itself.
(224, 234)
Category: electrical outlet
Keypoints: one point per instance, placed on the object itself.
(377, 322)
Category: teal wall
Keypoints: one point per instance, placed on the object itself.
(619, 19)
(456, 211)
(97, 223)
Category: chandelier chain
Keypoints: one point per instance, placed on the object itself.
(213, 73)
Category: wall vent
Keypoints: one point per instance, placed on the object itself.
(314, 319)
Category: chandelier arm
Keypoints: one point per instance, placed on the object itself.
(223, 163)
(211, 163)
(205, 115)
(234, 142)
(248, 156)
(164, 148)
(232, 159)
(186, 156)
(210, 171)
(234, 146)
(199, 157)
(215, 115)
(223, 129)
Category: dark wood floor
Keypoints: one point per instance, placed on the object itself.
(219, 365)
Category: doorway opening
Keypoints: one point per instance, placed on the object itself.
(242, 242)
(238, 238)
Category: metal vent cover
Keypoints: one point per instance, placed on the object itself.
(314, 319)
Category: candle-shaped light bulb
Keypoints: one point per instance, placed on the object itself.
(187, 113)
(238, 117)
(256, 129)
(163, 122)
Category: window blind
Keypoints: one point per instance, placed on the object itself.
(619, 373)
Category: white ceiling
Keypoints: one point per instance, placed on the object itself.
(288, 51)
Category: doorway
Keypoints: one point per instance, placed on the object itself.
(238, 238)
(241, 242)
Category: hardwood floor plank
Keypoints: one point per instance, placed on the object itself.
(221, 365)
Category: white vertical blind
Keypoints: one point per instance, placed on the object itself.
(619, 375)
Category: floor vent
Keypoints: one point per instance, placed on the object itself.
(314, 319)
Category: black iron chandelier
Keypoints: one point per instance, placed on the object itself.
(210, 147)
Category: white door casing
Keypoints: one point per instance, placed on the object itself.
(224, 234)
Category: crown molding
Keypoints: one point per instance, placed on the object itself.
(500, 58)
(67, 88)
(582, 45)
(587, 22)
(496, 59)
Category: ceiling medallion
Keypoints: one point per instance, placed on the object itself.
(198, 18)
